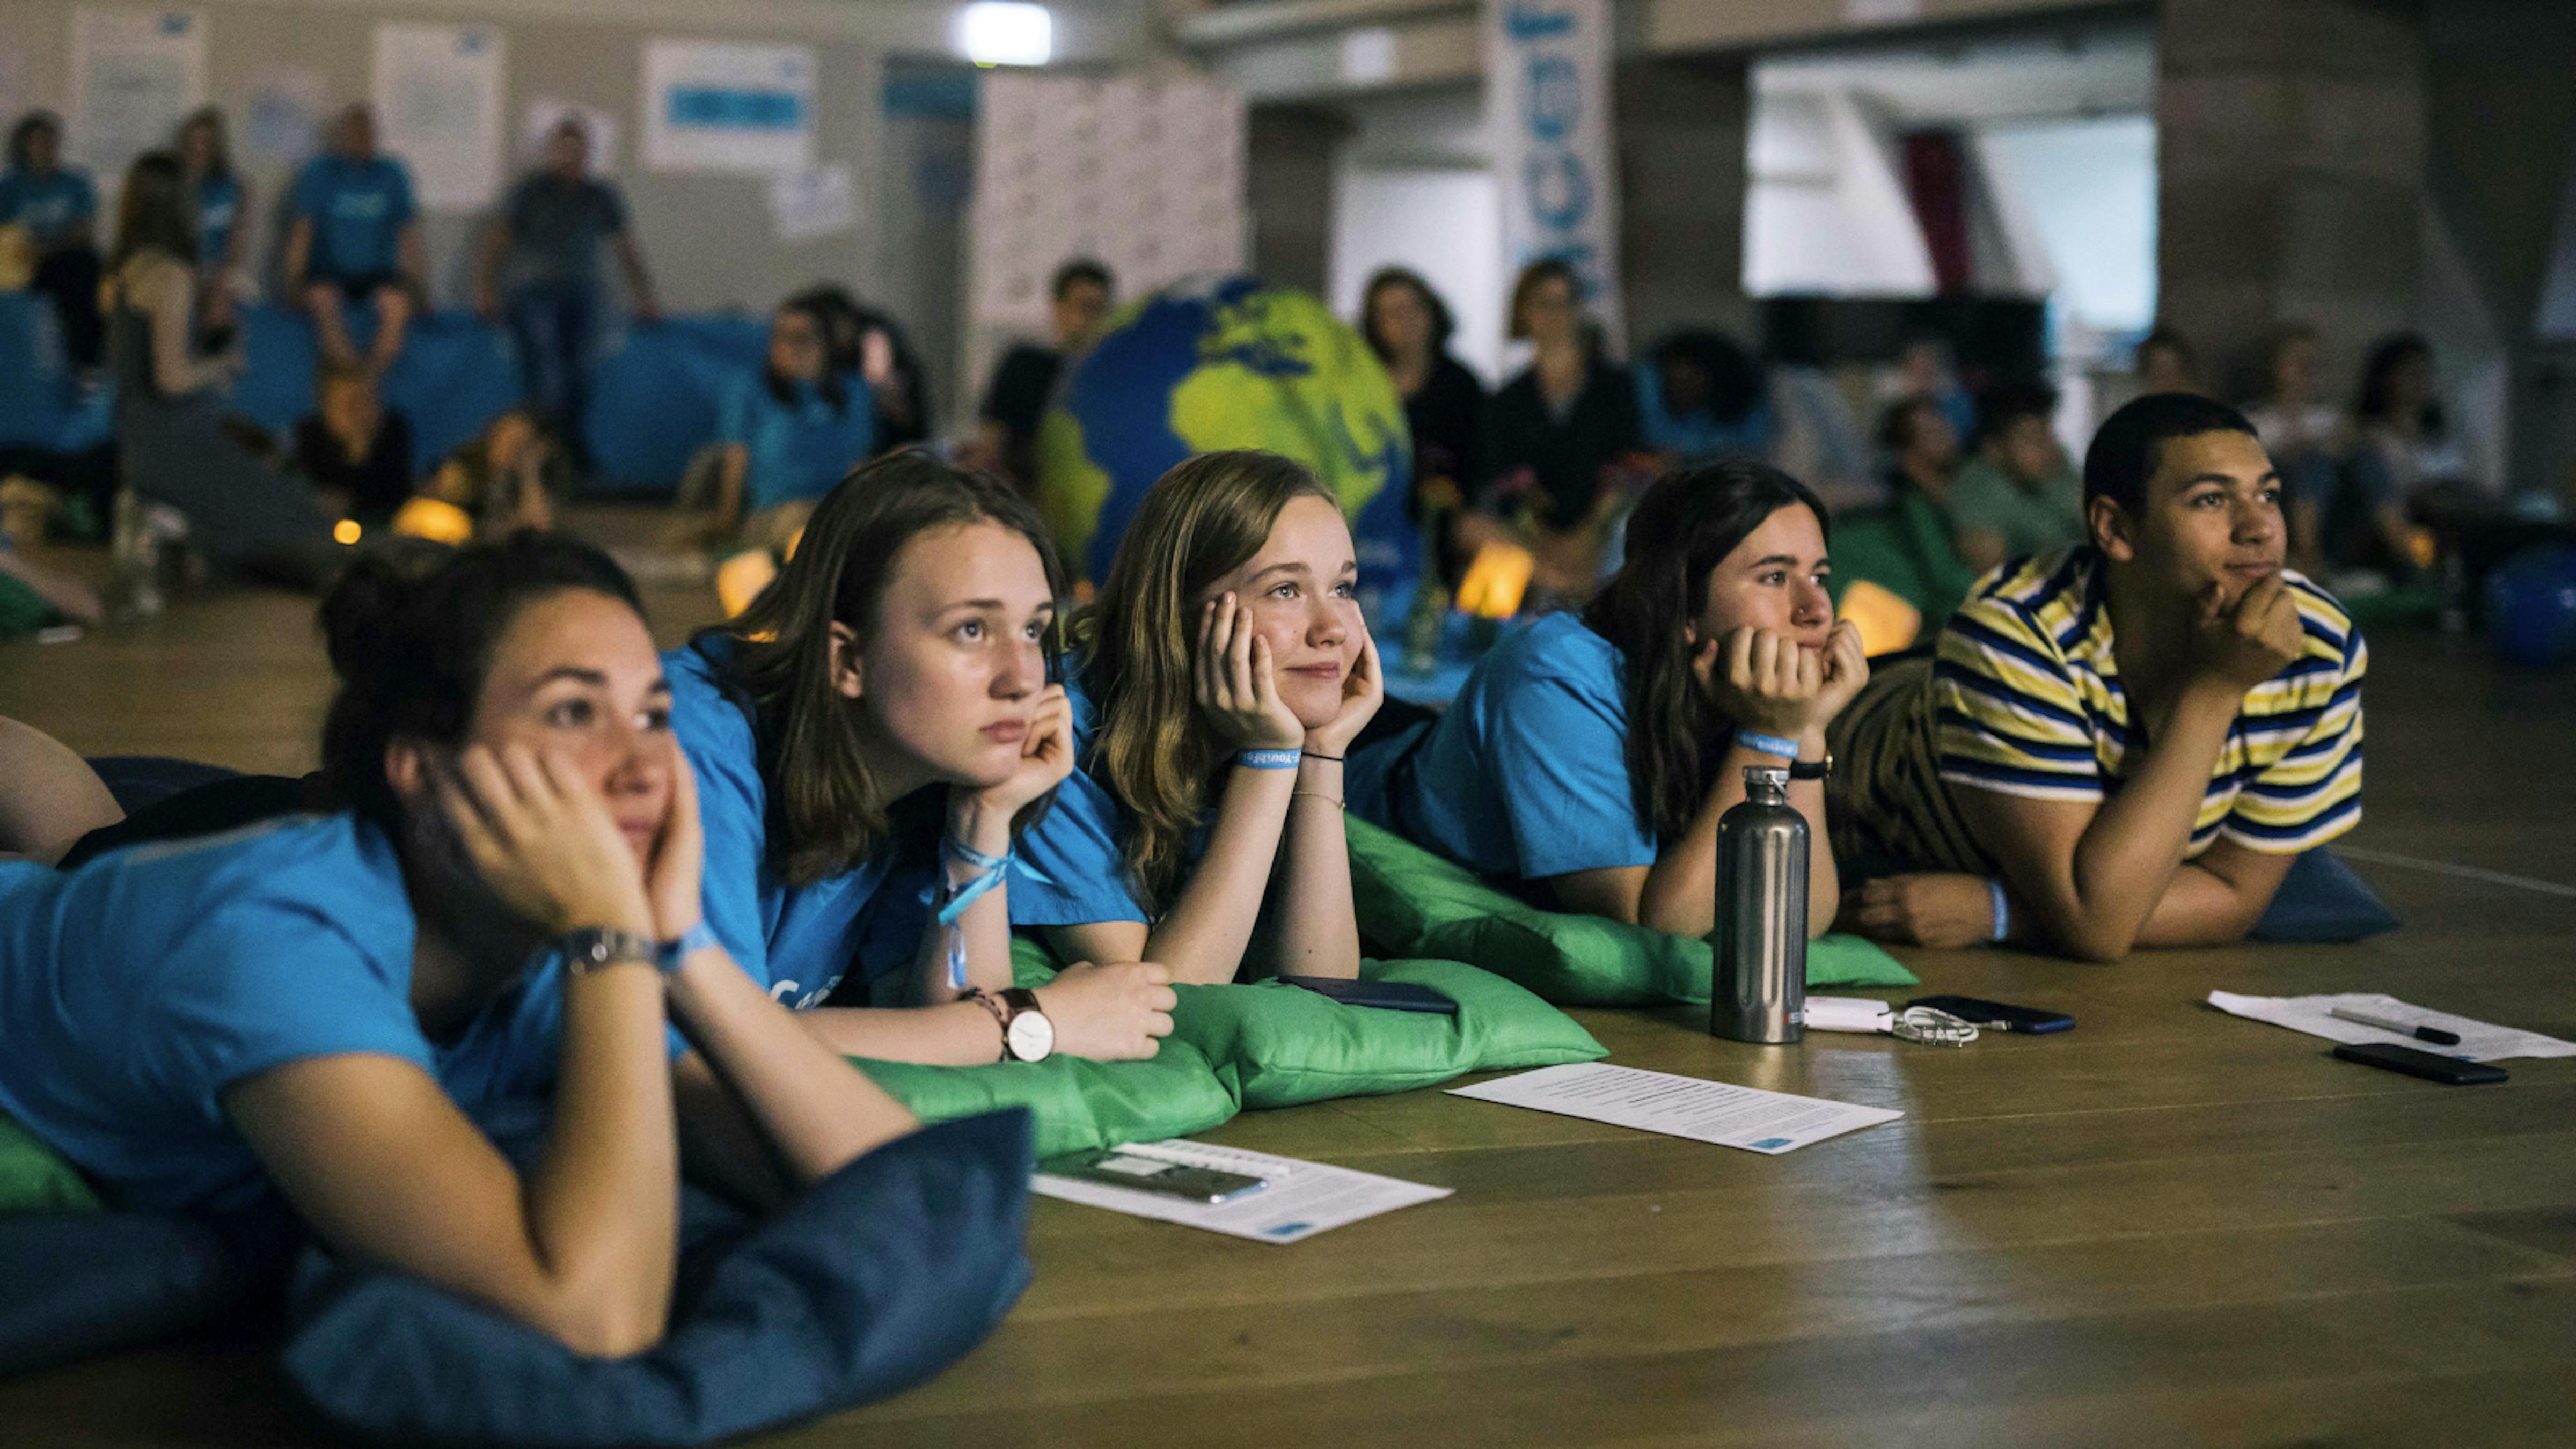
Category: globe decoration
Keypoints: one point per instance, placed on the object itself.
(1215, 363)
(2531, 607)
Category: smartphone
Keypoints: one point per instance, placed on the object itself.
(2452, 1071)
(1112, 1168)
(1386, 995)
(2029, 1020)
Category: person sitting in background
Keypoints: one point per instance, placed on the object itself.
(2306, 437)
(172, 441)
(2407, 454)
(223, 214)
(1015, 397)
(505, 477)
(1409, 327)
(505, 904)
(2167, 362)
(2019, 494)
(1909, 545)
(354, 449)
(57, 208)
(2124, 743)
(355, 242)
(1589, 756)
(867, 344)
(1702, 397)
(1215, 690)
(1924, 368)
(1555, 436)
(540, 268)
(786, 436)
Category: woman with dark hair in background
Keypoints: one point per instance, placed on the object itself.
(1216, 689)
(873, 737)
(785, 437)
(1909, 545)
(1589, 756)
(223, 202)
(1409, 327)
(1554, 433)
(1702, 397)
(506, 903)
(866, 343)
(2407, 449)
(58, 209)
(173, 447)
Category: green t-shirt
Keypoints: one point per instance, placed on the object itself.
(2051, 515)
(1906, 548)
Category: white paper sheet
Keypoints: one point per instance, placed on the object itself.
(1729, 1116)
(1303, 1198)
(805, 205)
(135, 75)
(2479, 1041)
(282, 125)
(438, 109)
(711, 106)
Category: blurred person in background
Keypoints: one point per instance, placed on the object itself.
(1556, 435)
(1909, 545)
(1925, 369)
(57, 208)
(1015, 397)
(354, 450)
(2306, 436)
(1408, 326)
(355, 242)
(2167, 362)
(1702, 397)
(223, 214)
(2020, 493)
(2409, 457)
(544, 250)
(785, 437)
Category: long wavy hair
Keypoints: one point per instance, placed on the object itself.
(1199, 522)
(157, 210)
(828, 808)
(1682, 529)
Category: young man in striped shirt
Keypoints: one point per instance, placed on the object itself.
(2119, 744)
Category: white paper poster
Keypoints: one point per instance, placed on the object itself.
(547, 112)
(713, 107)
(438, 109)
(1547, 104)
(806, 205)
(135, 75)
(283, 123)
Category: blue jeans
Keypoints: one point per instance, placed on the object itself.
(556, 327)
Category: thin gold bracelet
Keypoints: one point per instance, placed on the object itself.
(1338, 803)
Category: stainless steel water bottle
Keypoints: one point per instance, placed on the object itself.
(1759, 993)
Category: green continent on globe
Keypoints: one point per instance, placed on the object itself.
(1209, 365)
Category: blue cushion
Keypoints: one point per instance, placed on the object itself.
(90, 1282)
(872, 1281)
(2322, 901)
(653, 401)
(456, 374)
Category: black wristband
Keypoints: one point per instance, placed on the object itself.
(1812, 769)
(1320, 755)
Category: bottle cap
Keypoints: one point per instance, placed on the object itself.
(1774, 776)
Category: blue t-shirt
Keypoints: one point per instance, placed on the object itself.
(1068, 870)
(134, 990)
(48, 205)
(219, 201)
(358, 210)
(798, 941)
(798, 449)
(1526, 775)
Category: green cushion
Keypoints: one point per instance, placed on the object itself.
(1077, 1103)
(36, 1178)
(1284, 1045)
(1414, 903)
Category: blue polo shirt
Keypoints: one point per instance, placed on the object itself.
(1526, 775)
(219, 206)
(48, 205)
(358, 210)
(800, 447)
(798, 941)
(135, 990)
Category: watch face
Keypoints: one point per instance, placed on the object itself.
(1032, 1036)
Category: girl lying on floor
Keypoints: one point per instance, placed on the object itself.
(872, 737)
(1215, 690)
(314, 1003)
(1590, 756)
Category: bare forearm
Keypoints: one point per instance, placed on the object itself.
(1316, 932)
(603, 1204)
(983, 930)
(957, 1034)
(816, 1110)
(2201, 907)
(2135, 842)
(1680, 894)
(1202, 938)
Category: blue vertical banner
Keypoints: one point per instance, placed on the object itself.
(1547, 104)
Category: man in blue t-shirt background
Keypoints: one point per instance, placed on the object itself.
(58, 209)
(355, 241)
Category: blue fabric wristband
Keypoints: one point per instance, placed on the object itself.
(1268, 759)
(696, 938)
(990, 870)
(2003, 912)
(1767, 744)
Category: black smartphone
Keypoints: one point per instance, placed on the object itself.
(1385, 995)
(2452, 1071)
(2029, 1020)
(1112, 1168)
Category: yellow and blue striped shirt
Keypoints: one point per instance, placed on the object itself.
(2023, 697)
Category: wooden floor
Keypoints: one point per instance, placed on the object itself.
(2166, 1227)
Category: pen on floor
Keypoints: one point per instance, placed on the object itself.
(2433, 1034)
